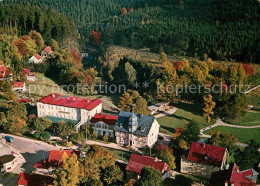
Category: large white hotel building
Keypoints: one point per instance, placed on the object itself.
(68, 108)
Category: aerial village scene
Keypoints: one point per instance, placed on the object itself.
(130, 92)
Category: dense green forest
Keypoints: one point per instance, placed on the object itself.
(19, 20)
(222, 29)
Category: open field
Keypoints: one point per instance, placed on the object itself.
(180, 118)
(243, 135)
(250, 119)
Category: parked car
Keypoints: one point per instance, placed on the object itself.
(9, 139)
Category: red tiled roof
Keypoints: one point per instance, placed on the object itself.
(26, 71)
(107, 119)
(206, 154)
(24, 100)
(47, 49)
(34, 179)
(4, 71)
(70, 101)
(55, 158)
(18, 84)
(232, 176)
(37, 56)
(138, 162)
(2, 68)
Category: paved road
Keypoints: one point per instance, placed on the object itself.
(166, 113)
(32, 151)
(219, 122)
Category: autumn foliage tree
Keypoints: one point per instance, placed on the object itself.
(123, 10)
(96, 37)
(133, 97)
(209, 106)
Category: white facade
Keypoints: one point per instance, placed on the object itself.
(30, 78)
(9, 166)
(33, 59)
(102, 129)
(83, 116)
(139, 141)
(20, 88)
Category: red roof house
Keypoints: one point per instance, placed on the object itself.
(70, 101)
(107, 119)
(138, 162)
(206, 154)
(19, 86)
(204, 159)
(47, 49)
(234, 176)
(4, 73)
(26, 71)
(55, 159)
(34, 179)
(37, 56)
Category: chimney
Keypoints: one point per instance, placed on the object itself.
(156, 159)
(203, 145)
(73, 99)
(53, 95)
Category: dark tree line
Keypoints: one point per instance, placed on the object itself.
(222, 29)
(19, 20)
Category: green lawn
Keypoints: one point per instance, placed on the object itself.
(121, 155)
(180, 118)
(250, 119)
(243, 135)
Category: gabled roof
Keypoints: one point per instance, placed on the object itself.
(26, 71)
(34, 179)
(234, 176)
(55, 158)
(24, 100)
(144, 123)
(6, 158)
(18, 84)
(138, 162)
(206, 154)
(107, 119)
(47, 49)
(4, 71)
(70, 101)
(37, 56)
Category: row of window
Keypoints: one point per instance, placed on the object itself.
(58, 108)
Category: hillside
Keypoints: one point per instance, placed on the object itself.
(222, 29)
(44, 86)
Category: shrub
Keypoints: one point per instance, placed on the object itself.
(36, 134)
(46, 136)
(105, 138)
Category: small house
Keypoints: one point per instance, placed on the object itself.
(138, 162)
(19, 86)
(26, 179)
(204, 159)
(104, 124)
(47, 52)
(233, 176)
(5, 74)
(35, 59)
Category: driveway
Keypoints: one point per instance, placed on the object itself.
(32, 151)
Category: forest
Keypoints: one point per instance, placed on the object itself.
(49, 23)
(222, 29)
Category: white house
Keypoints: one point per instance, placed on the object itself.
(47, 52)
(78, 110)
(19, 86)
(30, 77)
(136, 130)
(35, 59)
(8, 158)
(104, 124)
